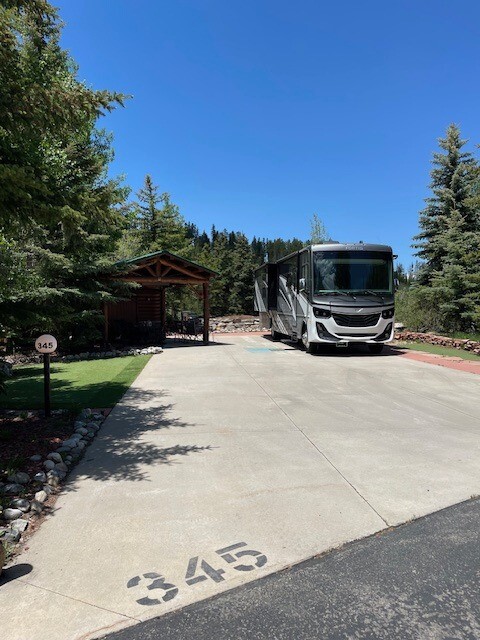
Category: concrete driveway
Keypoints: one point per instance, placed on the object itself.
(225, 463)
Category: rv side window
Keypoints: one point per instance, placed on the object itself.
(304, 269)
(288, 272)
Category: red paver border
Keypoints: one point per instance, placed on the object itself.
(459, 364)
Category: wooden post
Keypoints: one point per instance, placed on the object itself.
(163, 312)
(206, 313)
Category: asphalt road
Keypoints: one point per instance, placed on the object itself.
(418, 581)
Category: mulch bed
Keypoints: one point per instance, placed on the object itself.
(23, 435)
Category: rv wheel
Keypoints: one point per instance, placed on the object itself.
(310, 347)
(375, 348)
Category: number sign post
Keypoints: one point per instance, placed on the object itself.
(46, 344)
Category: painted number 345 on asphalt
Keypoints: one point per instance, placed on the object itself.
(199, 570)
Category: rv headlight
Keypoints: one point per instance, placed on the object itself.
(388, 313)
(321, 313)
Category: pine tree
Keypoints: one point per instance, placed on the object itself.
(148, 212)
(456, 285)
(162, 227)
(240, 298)
(451, 189)
(58, 209)
(318, 232)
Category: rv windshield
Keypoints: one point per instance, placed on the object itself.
(352, 272)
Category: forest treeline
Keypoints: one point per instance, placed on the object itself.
(65, 224)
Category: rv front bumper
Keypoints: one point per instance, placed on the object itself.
(327, 330)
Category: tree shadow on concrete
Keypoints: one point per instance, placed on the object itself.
(122, 450)
(177, 343)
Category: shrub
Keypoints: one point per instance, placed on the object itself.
(417, 309)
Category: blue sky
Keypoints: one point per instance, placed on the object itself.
(256, 114)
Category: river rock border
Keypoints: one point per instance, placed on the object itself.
(444, 341)
(234, 324)
(30, 358)
(29, 496)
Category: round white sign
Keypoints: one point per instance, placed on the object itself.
(46, 343)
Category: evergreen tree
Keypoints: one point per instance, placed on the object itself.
(456, 285)
(258, 249)
(58, 209)
(162, 227)
(318, 232)
(401, 274)
(451, 184)
(148, 213)
(240, 299)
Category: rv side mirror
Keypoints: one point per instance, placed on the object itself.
(396, 283)
(302, 284)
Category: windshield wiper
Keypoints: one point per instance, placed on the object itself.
(374, 293)
(337, 292)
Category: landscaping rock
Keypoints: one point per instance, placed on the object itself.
(40, 477)
(13, 488)
(230, 324)
(11, 537)
(36, 507)
(56, 457)
(12, 514)
(41, 496)
(20, 503)
(53, 478)
(444, 341)
(20, 478)
(56, 467)
(19, 525)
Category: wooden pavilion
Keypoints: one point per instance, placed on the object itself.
(155, 272)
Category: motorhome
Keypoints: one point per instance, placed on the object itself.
(329, 294)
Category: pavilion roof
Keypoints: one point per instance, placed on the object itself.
(164, 267)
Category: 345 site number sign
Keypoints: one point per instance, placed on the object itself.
(46, 343)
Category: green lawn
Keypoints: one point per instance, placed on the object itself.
(439, 350)
(91, 383)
